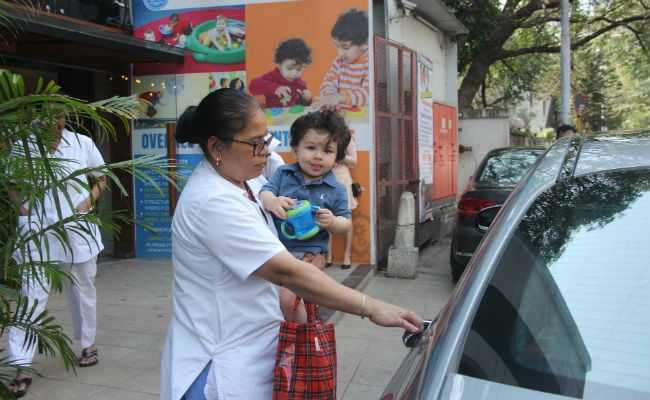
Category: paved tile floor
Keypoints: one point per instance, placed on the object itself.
(134, 305)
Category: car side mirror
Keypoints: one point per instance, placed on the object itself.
(485, 217)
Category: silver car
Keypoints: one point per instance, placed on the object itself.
(555, 302)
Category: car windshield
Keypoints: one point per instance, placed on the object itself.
(567, 310)
(507, 167)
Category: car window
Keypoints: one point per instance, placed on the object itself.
(567, 310)
(507, 167)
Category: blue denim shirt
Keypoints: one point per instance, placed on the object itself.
(326, 192)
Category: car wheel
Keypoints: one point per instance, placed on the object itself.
(456, 267)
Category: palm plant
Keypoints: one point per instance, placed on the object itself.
(26, 122)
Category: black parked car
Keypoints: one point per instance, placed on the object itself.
(490, 184)
(555, 303)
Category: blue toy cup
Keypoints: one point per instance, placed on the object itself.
(301, 219)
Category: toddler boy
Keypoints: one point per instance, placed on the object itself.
(318, 140)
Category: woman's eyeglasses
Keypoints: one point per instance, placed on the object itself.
(258, 146)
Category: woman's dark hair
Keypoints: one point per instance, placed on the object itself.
(222, 113)
(326, 120)
(293, 49)
(351, 25)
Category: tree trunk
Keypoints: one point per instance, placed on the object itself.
(472, 82)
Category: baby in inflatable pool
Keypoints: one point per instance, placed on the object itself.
(217, 37)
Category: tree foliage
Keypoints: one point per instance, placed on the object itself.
(511, 43)
(632, 67)
(593, 75)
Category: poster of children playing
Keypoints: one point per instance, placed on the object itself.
(293, 56)
(320, 60)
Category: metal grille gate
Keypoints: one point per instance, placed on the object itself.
(396, 159)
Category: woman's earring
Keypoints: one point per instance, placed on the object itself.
(216, 162)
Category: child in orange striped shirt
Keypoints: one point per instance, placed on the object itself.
(347, 83)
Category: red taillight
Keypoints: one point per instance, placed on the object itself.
(470, 207)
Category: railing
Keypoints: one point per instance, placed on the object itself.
(484, 113)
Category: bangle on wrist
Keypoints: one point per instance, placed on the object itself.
(363, 306)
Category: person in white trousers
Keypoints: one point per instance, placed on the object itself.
(79, 256)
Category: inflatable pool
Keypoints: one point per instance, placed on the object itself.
(203, 53)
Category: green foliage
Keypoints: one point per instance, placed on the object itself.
(513, 45)
(593, 76)
(631, 98)
(26, 124)
(548, 133)
(613, 74)
(511, 81)
(482, 17)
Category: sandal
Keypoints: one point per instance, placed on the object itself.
(16, 384)
(88, 358)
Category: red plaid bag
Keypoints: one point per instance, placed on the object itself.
(305, 364)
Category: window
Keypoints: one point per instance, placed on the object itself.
(508, 167)
(567, 309)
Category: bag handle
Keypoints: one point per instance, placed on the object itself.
(313, 312)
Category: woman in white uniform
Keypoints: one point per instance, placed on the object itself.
(228, 264)
(71, 152)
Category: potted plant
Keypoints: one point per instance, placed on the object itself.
(25, 123)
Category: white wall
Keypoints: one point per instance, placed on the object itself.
(426, 41)
(451, 68)
(483, 135)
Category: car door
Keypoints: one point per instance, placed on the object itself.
(564, 314)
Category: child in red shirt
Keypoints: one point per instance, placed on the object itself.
(283, 86)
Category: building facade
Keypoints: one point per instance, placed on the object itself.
(406, 131)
